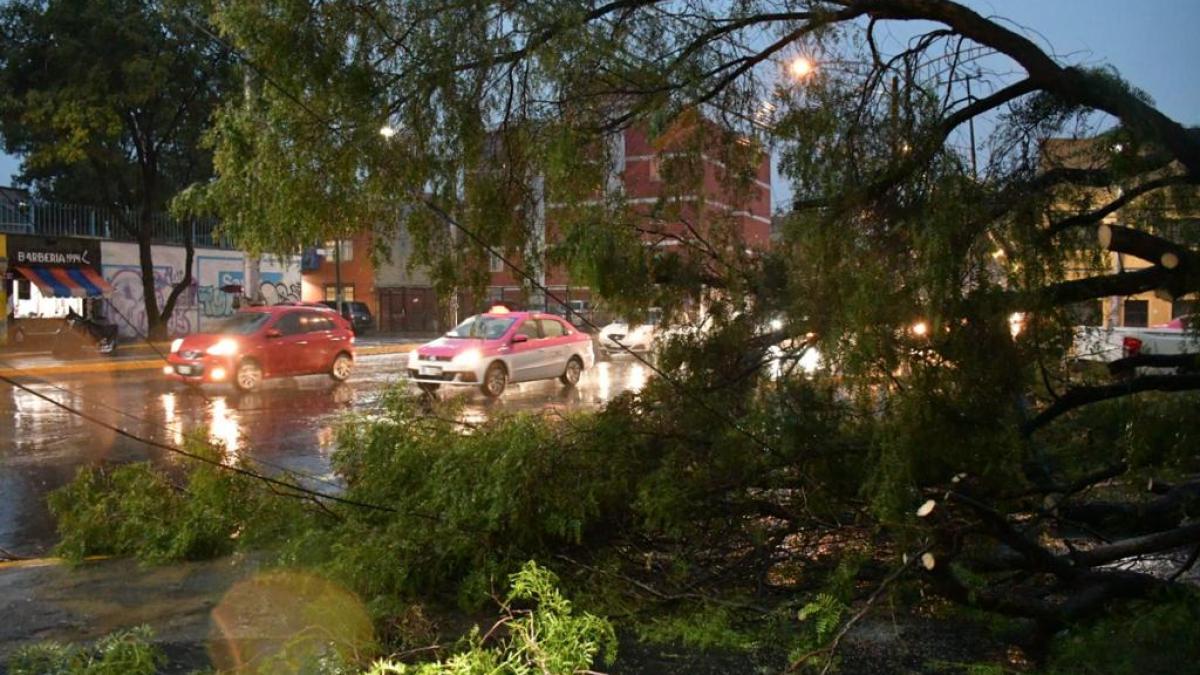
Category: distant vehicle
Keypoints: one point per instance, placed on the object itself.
(577, 312)
(356, 313)
(490, 350)
(262, 342)
(1106, 345)
(621, 336)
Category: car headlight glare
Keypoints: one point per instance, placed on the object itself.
(225, 347)
(468, 359)
(176, 344)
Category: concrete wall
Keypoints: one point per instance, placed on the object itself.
(394, 272)
(204, 304)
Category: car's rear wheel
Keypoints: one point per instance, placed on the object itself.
(494, 380)
(342, 365)
(574, 371)
(248, 376)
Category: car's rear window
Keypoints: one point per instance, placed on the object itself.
(243, 323)
(552, 328)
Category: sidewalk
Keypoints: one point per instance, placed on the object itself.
(143, 356)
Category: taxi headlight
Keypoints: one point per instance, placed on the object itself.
(467, 359)
(176, 344)
(226, 347)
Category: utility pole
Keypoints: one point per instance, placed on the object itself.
(337, 274)
(971, 127)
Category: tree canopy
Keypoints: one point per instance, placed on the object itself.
(946, 428)
(106, 104)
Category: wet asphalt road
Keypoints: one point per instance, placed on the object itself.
(288, 425)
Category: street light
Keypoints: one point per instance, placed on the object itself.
(801, 67)
(387, 131)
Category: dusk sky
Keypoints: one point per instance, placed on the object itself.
(1154, 44)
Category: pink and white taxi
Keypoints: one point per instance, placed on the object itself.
(490, 350)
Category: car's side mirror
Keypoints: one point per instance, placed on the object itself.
(520, 337)
(273, 333)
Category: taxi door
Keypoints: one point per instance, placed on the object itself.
(524, 357)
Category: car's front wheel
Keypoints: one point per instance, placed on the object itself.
(574, 371)
(248, 376)
(494, 380)
(340, 370)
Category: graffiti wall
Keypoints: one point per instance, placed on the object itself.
(201, 306)
(279, 280)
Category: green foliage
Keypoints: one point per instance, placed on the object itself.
(138, 510)
(1161, 636)
(127, 652)
(551, 638)
(705, 626)
(820, 619)
(106, 100)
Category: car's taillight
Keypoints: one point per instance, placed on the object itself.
(1132, 346)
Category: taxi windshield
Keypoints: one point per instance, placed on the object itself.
(243, 323)
(482, 327)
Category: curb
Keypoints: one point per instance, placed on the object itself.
(157, 363)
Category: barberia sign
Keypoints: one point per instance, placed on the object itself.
(53, 251)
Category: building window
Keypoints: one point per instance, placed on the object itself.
(656, 169)
(347, 292)
(495, 264)
(1137, 313)
(1184, 308)
(23, 289)
(347, 251)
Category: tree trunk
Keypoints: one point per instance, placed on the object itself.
(156, 326)
(184, 283)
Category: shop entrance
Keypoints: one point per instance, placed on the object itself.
(47, 279)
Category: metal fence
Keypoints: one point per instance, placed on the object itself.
(53, 219)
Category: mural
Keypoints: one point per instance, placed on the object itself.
(215, 303)
(128, 309)
(199, 307)
(275, 290)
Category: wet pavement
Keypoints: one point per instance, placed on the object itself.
(288, 425)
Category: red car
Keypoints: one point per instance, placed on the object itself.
(261, 342)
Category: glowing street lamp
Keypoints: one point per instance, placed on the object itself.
(387, 131)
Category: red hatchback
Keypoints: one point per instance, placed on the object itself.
(261, 342)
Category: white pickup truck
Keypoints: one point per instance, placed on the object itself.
(1106, 345)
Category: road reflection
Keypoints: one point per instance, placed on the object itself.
(289, 425)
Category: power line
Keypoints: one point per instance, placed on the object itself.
(191, 455)
(142, 420)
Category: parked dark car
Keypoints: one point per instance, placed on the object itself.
(356, 313)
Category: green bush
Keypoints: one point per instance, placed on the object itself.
(122, 653)
(1135, 638)
(138, 510)
(551, 638)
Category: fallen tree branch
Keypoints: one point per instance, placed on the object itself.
(1165, 512)
(1190, 361)
(1038, 557)
(1151, 248)
(1134, 546)
(831, 648)
(1085, 395)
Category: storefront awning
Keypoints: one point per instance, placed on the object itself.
(67, 282)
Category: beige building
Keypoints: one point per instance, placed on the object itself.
(1157, 212)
